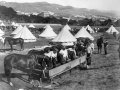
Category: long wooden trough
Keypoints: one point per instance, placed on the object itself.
(65, 67)
(61, 69)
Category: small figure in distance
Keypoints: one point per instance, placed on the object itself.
(105, 46)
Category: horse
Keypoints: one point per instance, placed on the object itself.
(13, 41)
(25, 63)
(39, 54)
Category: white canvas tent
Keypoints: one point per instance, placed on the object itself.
(1, 33)
(26, 35)
(89, 28)
(111, 30)
(31, 26)
(16, 25)
(48, 33)
(13, 23)
(64, 36)
(17, 29)
(47, 26)
(83, 33)
(1, 21)
(67, 27)
(2, 24)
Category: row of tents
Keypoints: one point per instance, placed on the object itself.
(64, 36)
(15, 25)
(49, 32)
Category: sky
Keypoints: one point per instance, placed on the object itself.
(113, 5)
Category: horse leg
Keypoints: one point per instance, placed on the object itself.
(30, 75)
(22, 47)
(4, 46)
(98, 49)
(8, 73)
(11, 47)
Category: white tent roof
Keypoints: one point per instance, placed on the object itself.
(47, 26)
(83, 33)
(1, 32)
(13, 23)
(67, 27)
(26, 35)
(17, 29)
(64, 36)
(48, 33)
(89, 28)
(16, 25)
(1, 21)
(2, 24)
(31, 26)
(111, 30)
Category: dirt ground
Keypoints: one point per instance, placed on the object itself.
(104, 73)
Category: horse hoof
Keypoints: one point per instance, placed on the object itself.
(11, 84)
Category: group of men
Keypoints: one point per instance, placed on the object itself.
(101, 42)
(90, 48)
(63, 51)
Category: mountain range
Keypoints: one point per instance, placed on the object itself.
(57, 9)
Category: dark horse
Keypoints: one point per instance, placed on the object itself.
(24, 63)
(13, 41)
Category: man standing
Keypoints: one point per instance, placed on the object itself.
(105, 46)
(89, 53)
(99, 44)
(92, 46)
(64, 52)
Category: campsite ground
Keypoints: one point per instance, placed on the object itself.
(104, 73)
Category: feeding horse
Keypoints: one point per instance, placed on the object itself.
(13, 41)
(25, 63)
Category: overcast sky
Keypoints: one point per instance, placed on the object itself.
(90, 4)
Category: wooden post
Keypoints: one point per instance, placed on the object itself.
(41, 83)
(79, 63)
(70, 69)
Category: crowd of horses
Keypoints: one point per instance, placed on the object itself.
(35, 59)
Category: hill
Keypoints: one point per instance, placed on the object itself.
(55, 8)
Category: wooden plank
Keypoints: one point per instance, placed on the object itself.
(63, 68)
